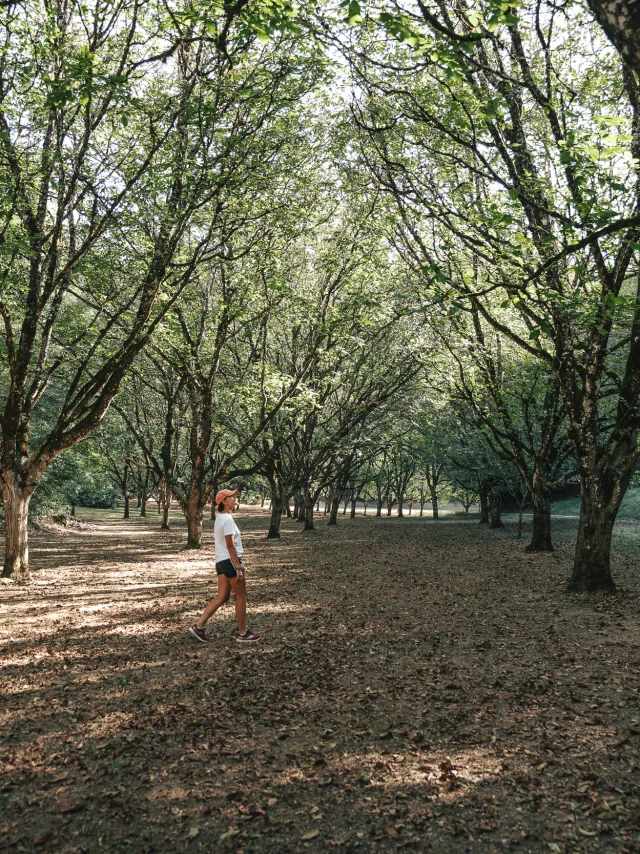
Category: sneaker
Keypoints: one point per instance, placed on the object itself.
(200, 634)
(247, 637)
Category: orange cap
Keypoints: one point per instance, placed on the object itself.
(224, 493)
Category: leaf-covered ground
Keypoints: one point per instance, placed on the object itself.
(421, 684)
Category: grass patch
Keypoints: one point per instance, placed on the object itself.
(629, 509)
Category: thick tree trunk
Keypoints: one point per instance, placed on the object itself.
(496, 512)
(16, 549)
(400, 503)
(434, 504)
(276, 515)
(592, 561)
(379, 506)
(126, 505)
(483, 501)
(541, 537)
(194, 514)
(194, 530)
(620, 19)
(335, 507)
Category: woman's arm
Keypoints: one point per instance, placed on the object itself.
(235, 560)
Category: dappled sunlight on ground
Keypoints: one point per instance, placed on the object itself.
(462, 704)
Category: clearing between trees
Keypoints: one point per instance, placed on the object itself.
(420, 684)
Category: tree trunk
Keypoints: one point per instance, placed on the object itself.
(262, 496)
(165, 503)
(541, 538)
(400, 503)
(422, 503)
(434, 504)
(379, 506)
(346, 502)
(309, 501)
(496, 512)
(126, 505)
(277, 509)
(335, 506)
(194, 514)
(410, 505)
(73, 510)
(483, 501)
(592, 561)
(389, 507)
(214, 492)
(298, 512)
(354, 499)
(139, 500)
(16, 551)
(143, 502)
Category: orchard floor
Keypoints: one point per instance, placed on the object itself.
(421, 685)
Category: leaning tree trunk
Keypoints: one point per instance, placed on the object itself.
(483, 501)
(592, 561)
(541, 537)
(16, 517)
(434, 504)
(496, 512)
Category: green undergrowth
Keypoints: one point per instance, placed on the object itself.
(630, 508)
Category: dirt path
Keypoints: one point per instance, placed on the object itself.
(420, 684)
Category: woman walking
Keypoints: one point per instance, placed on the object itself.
(228, 545)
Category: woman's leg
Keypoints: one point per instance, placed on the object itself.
(224, 590)
(239, 587)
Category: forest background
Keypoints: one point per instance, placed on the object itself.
(385, 250)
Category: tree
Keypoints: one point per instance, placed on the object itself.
(531, 207)
(106, 161)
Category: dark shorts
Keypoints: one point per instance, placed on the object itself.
(226, 567)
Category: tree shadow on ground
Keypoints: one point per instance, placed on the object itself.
(421, 685)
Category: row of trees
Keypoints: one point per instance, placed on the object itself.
(261, 262)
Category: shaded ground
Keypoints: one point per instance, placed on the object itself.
(421, 684)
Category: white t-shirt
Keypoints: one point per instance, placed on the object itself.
(226, 524)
